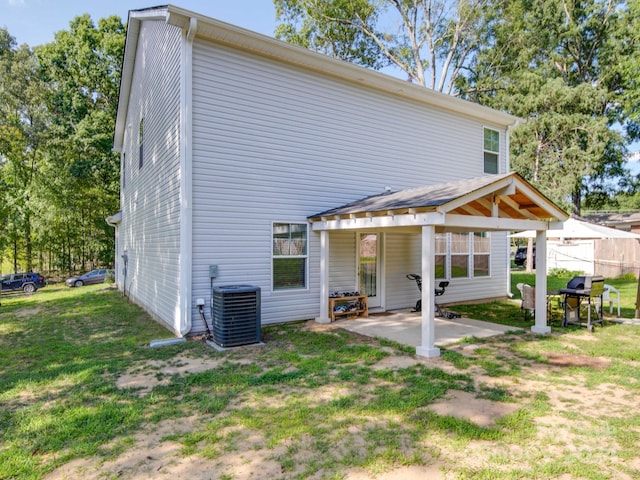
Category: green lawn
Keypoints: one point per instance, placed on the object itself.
(321, 404)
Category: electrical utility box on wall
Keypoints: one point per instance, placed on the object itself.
(235, 313)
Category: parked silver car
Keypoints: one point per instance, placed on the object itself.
(94, 276)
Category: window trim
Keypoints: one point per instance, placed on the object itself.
(305, 257)
(470, 254)
(486, 150)
(473, 254)
(141, 143)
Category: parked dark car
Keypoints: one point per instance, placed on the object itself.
(520, 257)
(94, 276)
(28, 282)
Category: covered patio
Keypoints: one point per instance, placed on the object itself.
(504, 202)
(404, 327)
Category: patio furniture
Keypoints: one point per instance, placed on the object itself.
(583, 293)
(610, 290)
(528, 295)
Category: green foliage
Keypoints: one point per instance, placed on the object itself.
(556, 65)
(429, 41)
(563, 273)
(59, 176)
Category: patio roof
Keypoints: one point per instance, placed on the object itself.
(490, 202)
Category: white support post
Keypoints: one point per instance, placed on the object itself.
(324, 278)
(427, 348)
(541, 326)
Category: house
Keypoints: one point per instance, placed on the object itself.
(627, 221)
(301, 174)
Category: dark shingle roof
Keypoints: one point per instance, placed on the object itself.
(420, 197)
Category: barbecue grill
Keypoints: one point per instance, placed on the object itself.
(579, 295)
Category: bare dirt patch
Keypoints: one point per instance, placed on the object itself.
(27, 312)
(575, 360)
(476, 410)
(159, 372)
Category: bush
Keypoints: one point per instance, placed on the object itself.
(110, 277)
(563, 272)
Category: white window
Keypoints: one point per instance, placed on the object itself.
(289, 256)
(481, 254)
(441, 255)
(141, 143)
(462, 255)
(459, 255)
(491, 150)
(124, 170)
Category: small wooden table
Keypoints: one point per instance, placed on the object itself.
(361, 302)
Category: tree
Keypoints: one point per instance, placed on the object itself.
(23, 130)
(430, 40)
(82, 70)
(552, 63)
(59, 177)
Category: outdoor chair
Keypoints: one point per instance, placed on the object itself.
(528, 294)
(607, 293)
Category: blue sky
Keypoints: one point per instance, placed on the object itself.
(36, 21)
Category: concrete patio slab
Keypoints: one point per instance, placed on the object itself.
(405, 327)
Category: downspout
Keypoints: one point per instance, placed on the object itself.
(186, 179)
(508, 169)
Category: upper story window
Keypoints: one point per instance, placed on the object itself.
(123, 169)
(491, 150)
(289, 255)
(141, 143)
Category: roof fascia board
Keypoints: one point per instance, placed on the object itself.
(385, 221)
(542, 201)
(136, 17)
(264, 46)
(498, 186)
(480, 224)
(448, 221)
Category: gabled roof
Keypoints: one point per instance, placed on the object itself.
(507, 199)
(267, 47)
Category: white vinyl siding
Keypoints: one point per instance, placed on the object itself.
(342, 262)
(150, 229)
(402, 257)
(272, 141)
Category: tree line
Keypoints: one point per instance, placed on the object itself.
(568, 68)
(59, 179)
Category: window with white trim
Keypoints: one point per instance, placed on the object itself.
(481, 254)
(441, 255)
(491, 150)
(141, 143)
(459, 255)
(462, 255)
(289, 256)
(124, 170)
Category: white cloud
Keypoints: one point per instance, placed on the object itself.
(16, 3)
